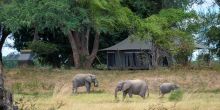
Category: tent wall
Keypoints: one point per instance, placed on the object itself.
(128, 60)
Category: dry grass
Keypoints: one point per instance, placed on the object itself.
(46, 89)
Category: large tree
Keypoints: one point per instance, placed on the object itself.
(209, 33)
(173, 32)
(78, 19)
(84, 20)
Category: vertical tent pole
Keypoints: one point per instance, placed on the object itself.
(107, 61)
(119, 58)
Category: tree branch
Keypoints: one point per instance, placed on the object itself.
(95, 46)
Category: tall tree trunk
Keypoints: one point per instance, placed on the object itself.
(75, 52)
(3, 37)
(6, 98)
(80, 48)
(36, 35)
(92, 56)
(1, 45)
(155, 56)
(85, 42)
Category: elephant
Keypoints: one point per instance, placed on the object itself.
(167, 88)
(80, 80)
(136, 87)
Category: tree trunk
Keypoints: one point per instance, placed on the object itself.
(85, 42)
(92, 56)
(6, 99)
(75, 52)
(80, 48)
(154, 56)
(36, 35)
(3, 37)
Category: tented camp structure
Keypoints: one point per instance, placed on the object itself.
(135, 54)
(139, 54)
(26, 58)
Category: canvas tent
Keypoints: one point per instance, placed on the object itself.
(26, 58)
(135, 54)
(138, 54)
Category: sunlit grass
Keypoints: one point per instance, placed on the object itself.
(106, 101)
(50, 89)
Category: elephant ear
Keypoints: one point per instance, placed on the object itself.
(89, 78)
(93, 76)
(126, 86)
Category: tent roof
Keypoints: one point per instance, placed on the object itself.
(133, 44)
(130, 44)
(26, 55)
(12, 57)
(200, 46)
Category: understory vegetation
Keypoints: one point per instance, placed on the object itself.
(51, 89)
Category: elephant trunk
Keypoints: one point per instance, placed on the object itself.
(96, 83)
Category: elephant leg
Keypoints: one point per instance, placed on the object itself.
(75, 90)
(75, 85)
(143, 96)
(143, 93)
(161, 95)
(124, 95)
(88, 86)
(130, 94)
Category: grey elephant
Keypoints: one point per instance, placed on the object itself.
(136, 87)
(86, 80)
(167, 88)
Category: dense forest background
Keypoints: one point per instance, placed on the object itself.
(70, 32)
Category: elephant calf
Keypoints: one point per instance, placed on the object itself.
(80, 80)
(167, 88)
(136, 87)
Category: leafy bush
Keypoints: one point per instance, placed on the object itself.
(42, 47)
(101, 67)
(176, 95)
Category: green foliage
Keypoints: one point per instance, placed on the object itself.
(143, 8)
(213, 36)
(101, 67)
(176, 95)
(106, 16)
(164, 31)
(41, 47)
(204, 59)
(101, 15)
(37, 14)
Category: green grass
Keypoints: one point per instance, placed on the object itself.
(50, 89)
(176, 95)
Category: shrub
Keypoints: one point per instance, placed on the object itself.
(101, 67)
(41, 47)
(176, 95)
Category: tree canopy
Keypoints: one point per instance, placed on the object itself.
(83, 21)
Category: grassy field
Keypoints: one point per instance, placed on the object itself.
(50, 89)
